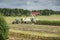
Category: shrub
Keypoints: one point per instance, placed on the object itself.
(3, 29)
(46, 22)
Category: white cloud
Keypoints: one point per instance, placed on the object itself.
(31, 4)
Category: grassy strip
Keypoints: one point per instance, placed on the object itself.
(46, 22)
(33, 35)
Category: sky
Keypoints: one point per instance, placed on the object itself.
(31, 4)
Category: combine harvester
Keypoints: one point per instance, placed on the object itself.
(31, 19)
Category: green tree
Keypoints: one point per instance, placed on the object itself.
(3, 29)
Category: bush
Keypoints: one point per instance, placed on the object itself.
(46, 22)
(3, 29)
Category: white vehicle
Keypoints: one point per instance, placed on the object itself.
(27, 20)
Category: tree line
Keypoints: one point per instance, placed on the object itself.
(13, 12)
(48, 12)
(20, 12)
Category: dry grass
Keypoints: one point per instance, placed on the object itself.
(36, 28)
(37, 32)
(51, 18)
(26, 35)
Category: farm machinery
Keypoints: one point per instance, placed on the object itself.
(26, 19)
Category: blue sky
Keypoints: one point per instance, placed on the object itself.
(31, 4)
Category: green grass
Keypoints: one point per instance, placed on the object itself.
(47, 22)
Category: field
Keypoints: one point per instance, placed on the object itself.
(50, 18)
(32, 31)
